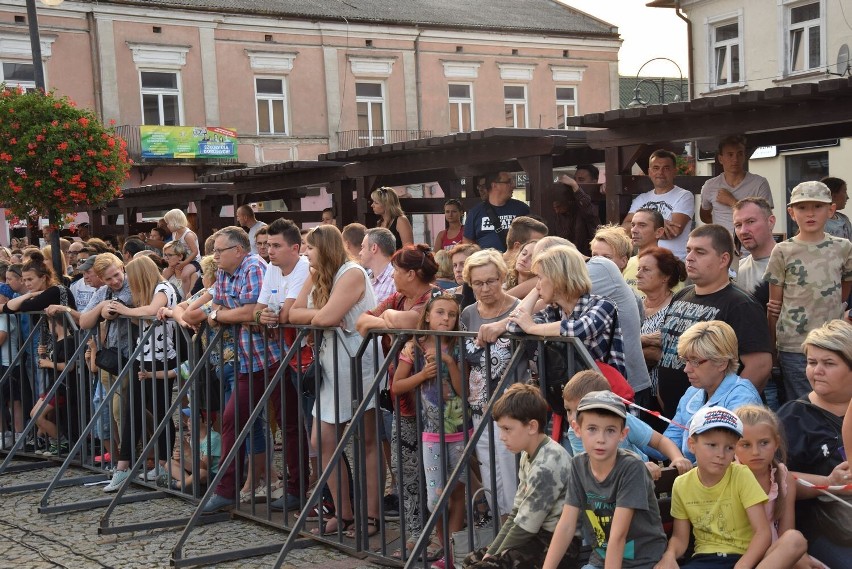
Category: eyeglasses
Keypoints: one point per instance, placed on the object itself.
(693, 362)
(220, 251)
(482, 284)
(81, 262)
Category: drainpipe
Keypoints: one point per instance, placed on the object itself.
(689, 49)
(417, 82)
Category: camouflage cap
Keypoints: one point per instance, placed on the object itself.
(810, 192)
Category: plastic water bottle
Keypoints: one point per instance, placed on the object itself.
(274, 306)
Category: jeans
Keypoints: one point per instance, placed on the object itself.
(793, 366)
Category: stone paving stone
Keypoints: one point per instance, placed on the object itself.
(32, 540)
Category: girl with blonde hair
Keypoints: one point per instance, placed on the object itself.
(153, 372)
(385, 204)
(178, 224)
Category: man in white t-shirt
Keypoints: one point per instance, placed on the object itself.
(286, 273)
(676, 205)
(719, 194)
(247, 219)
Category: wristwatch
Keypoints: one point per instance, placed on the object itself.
(213, 315)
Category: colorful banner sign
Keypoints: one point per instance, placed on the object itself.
(190, 142)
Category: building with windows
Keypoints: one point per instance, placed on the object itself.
(196, 86)
(745, 46)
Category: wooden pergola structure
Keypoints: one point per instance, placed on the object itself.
(621, 138)
(780, 115)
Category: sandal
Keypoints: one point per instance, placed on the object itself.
(324, 530)
(372, 528)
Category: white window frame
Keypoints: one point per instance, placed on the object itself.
(515, 103)
(27, 86)
(456, 104)
(371, 139)
(160, 92)
(712, 45)
(786, 44)
(565, 103)
(269, 99)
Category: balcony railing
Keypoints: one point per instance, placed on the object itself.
(131, 134)
(348, 139)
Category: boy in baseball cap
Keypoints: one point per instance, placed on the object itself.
(810, 277)
(612, 488)
(721, 502)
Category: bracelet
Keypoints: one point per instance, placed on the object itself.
(257, 316)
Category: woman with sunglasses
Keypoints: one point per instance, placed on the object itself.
(385, 204)
(454, 233)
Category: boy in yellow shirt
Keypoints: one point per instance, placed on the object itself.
(721, 502)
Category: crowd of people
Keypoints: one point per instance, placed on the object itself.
(718, 352)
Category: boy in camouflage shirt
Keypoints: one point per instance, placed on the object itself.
(809, 276)
(545, 469)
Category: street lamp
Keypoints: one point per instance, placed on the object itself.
(661, 90)
(35, 41)
(38, 72)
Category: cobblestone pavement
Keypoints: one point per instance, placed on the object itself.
(31, 540)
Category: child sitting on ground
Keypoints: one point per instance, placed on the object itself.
(721, 502)
(210, 451)
(613, 489)
(545, 468)
(639, 434)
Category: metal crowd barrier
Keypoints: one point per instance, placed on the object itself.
(204, 381)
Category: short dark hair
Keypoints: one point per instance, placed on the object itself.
(590, 168)
(164, 233)
(329, 210)
(521, 228)
(522, 402)
(663, 153)
(491, 178)
(288, 231)
(133, 245)
(656, 216)
(720, 239)
(732, 140)
(834, 184)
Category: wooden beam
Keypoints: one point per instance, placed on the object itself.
(779, 118)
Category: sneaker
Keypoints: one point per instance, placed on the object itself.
(153, 474)
(217, 503)
(119, 477)
(327, 511)
(288, 503)
(443, 563)
(57, 448)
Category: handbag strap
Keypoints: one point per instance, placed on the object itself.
(495, 221)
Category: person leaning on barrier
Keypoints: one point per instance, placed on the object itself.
(414, 270)
(285, 276)
(235, 295)
(153, 372)
(485, 271)
(335, 294)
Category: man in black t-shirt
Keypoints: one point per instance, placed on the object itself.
(710, 249)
